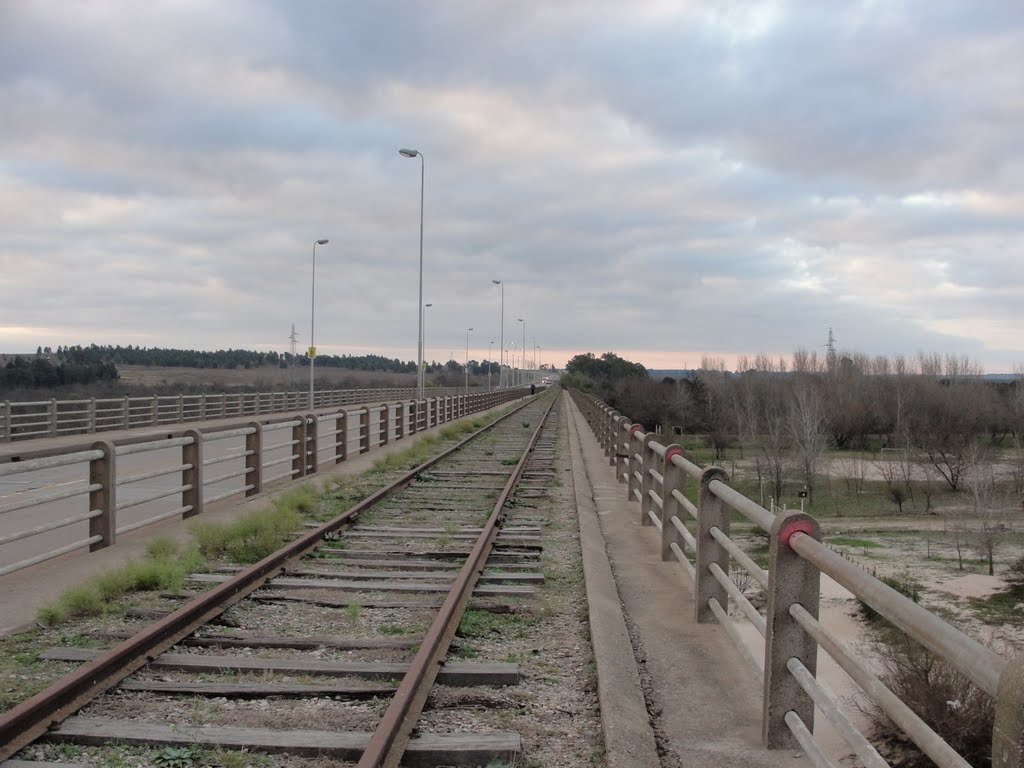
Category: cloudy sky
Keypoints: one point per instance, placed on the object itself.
(661, 179)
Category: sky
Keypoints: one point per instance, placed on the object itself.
(665, 180)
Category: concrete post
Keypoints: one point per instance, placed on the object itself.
(154, 411)
(341, 439)
(384, 424)
(608, 435)
(364, 429)
(181, 408)
(312, 443)
(299, 448)
(712, 513)
(52, 416)
(103, 471)
(202, 407)
(675, 480)
(8, 437)
(620, 460)
(633, 448)
(791, 579)
(1008, 730)
(92, 415)
(254, 459)
(192, 478)
(648, 460)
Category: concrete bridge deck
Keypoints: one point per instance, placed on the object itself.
(673, 692)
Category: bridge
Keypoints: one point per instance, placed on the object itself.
(686, 665)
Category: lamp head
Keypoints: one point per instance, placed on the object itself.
(325, 241)
(408, 152)
(496, 282)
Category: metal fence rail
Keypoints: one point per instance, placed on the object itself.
(53, 418)
(658, 477)
(91, 490)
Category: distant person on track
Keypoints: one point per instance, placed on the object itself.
(533, 389)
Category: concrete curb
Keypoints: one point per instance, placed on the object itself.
(628, 736)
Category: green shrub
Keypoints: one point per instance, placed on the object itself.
(163, 548)
(1015, 574)
(943, 697)
(252, 537)
(904, 583)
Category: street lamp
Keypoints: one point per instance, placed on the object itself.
(423, 325)
(419, 303)
(501, 348)
(533, 362)
(524, 350)
(490, 345)
(312, 317)
(467, 359)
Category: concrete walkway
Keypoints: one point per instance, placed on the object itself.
(702, 699)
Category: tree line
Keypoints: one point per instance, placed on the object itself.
(65, 365)
(784, 414)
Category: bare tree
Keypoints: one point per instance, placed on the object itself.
(980, 481)
(807, 427)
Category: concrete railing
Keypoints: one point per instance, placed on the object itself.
(52, 418)
(86, 495)
(657, 476)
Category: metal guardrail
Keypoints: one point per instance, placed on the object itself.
(657, 476)
(54, 418)
(307, 441)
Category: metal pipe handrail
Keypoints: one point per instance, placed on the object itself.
(152, 445)
(751, 510)
(228, 476)
(683, 560)
(48, 462)
(825, 701)
(227, 457)
(154, 519)
(916, 729)
(162, 494)
(162, 472)
(730, 629)
(755, 618)
(981, 664)
(759, 574)
(49, 555)
(47, 527)
(691, 469)
(32, 500)
(807, 742)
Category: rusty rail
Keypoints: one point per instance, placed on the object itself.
(24, 723)
(388, 742)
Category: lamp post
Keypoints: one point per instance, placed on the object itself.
(490, 345)
(312, 317)
(423, 325)
(419, 303)
(467, 359)
(501, 347)
(533, 362)
(523, 375)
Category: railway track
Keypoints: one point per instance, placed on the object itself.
(344, 646)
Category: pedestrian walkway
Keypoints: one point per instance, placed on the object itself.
(704, 704)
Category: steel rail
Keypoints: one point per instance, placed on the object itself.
(389, 740)
(33, 717)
